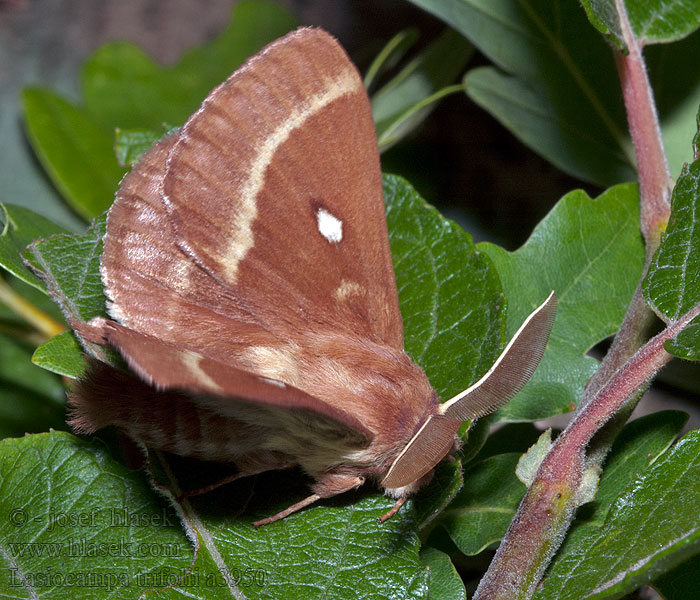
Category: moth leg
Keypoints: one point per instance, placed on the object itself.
(425, 480)
(250, 464)
(330, 485)
(212, 486)
(393, 510)
(287, 511)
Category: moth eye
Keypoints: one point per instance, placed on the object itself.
(329, 226)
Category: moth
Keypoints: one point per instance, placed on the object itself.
(251, 292)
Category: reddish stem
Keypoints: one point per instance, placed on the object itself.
(654, 176)
(547, 509)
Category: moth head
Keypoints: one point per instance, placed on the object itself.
(436, 436)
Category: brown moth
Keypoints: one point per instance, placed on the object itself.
(249, 279)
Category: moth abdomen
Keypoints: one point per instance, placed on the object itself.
(209, 427)
(163, 420)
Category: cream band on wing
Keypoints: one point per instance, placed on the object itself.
(191, 361)
(346, 289)
(241, 240)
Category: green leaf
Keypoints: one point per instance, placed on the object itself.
(605, 17)
(124, 88)
(22, 178)
(70, 267)
(74, 149)
(406, 100)
(532, 459)
(687, 343)
(70, 513)
(559, 93)
(671, 286)
(61, 354)
(652, 21)
(16, 368)
(335, 549)
(445, 583)
(681, 582)
(653, 526)
(589, 251)
(64, 514)
(390, 55)
(19, 227)
(449, 293)
(130, 144)
(439, 494)
(533, 116)
(556, 87)
(639, 445)
(480, 514)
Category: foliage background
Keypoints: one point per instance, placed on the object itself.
(463, 161)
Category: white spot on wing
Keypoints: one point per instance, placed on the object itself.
(329, 226)
(241, 240)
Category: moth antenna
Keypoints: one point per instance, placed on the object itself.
(512, 369)
(393, 510)
(503, 380)
(287, 511)
(428, 447)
